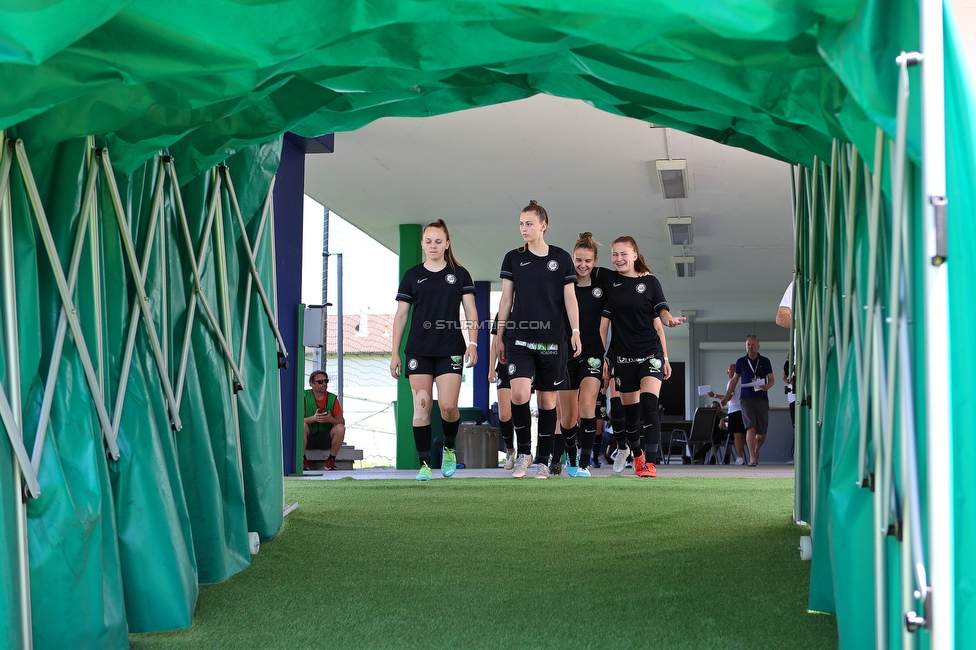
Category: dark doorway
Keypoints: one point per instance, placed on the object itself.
(672, 398)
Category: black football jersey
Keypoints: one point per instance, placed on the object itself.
(633, 304)
(435, 326)
(538, 310)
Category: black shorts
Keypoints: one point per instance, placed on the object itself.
(543, 363)
(503, 381)
(435, 366)
(735, 424)
(583, 366)
(320, 439)
(627, 373)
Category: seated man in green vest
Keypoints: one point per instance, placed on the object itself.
(325, 428)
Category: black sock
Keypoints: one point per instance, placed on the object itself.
(588, 433)
(450, 432)
(508, 433)
(652, 425)
(632, 418)
(570, 436)
(421, 438)
(547, 428)
(521, 424)
(558, 447)
(617, 422)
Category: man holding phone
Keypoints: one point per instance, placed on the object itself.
(325, 428)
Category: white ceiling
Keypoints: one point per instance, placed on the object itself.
(592, 171)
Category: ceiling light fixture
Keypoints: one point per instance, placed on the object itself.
(671, 173)
(684, 266)
(680, 230)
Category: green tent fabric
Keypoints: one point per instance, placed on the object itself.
(961, 164)
(131, 538)
(221, 80)
(203, 78)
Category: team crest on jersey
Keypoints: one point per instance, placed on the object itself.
(450, 279)
(641, 288)
(593, 362)
(511, 368)
(656, 363)
(597, 292)
(552, 265)
(412, 364)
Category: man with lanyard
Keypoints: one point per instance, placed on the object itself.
(758, 373)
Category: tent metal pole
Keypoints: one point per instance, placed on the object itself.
(252, 265)
(98, 400)
(828, 303)
(58, 348)
(247, 289)
(95, 256)
(223, 295)
(197, 258)
(870, 302)
(198, 282)
(938, 426)
(10, 411)
(913, 503)
(797, 455)
(880, 528)
(12, 342)
(340, 330)
(130, 253)
(130, 343)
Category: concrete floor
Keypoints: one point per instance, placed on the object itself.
(678, 470)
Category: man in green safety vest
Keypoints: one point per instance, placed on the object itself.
(325, 428)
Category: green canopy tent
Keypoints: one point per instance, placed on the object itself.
(140, 386)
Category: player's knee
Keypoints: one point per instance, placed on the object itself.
(421, 406)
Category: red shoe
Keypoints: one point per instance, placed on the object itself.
(305, 464)
(644, 469)
(330, 463)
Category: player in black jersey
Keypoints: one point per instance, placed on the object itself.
(498, 375)
(435, 349)
(537, 315)
(638, 309)
(586, 370)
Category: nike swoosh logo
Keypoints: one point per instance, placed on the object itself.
(618, 284)
(556, 383)
(525, 263)
(422, 280)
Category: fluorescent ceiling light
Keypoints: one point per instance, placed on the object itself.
(680, 229)
(684, 266)
(671, 173)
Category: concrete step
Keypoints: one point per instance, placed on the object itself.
(344, 459)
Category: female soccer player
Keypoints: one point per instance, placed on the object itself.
(537, 300)
(498, 375)
(435, 348)
(635, 300)
(586, 370)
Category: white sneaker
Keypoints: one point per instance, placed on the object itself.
(510, 460)
(583, 472)
(521, 465)
(739, 461)
(541, 471)
(620, 459)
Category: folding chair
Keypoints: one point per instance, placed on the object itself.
(702, 426)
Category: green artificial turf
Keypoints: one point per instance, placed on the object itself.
(479, 563)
